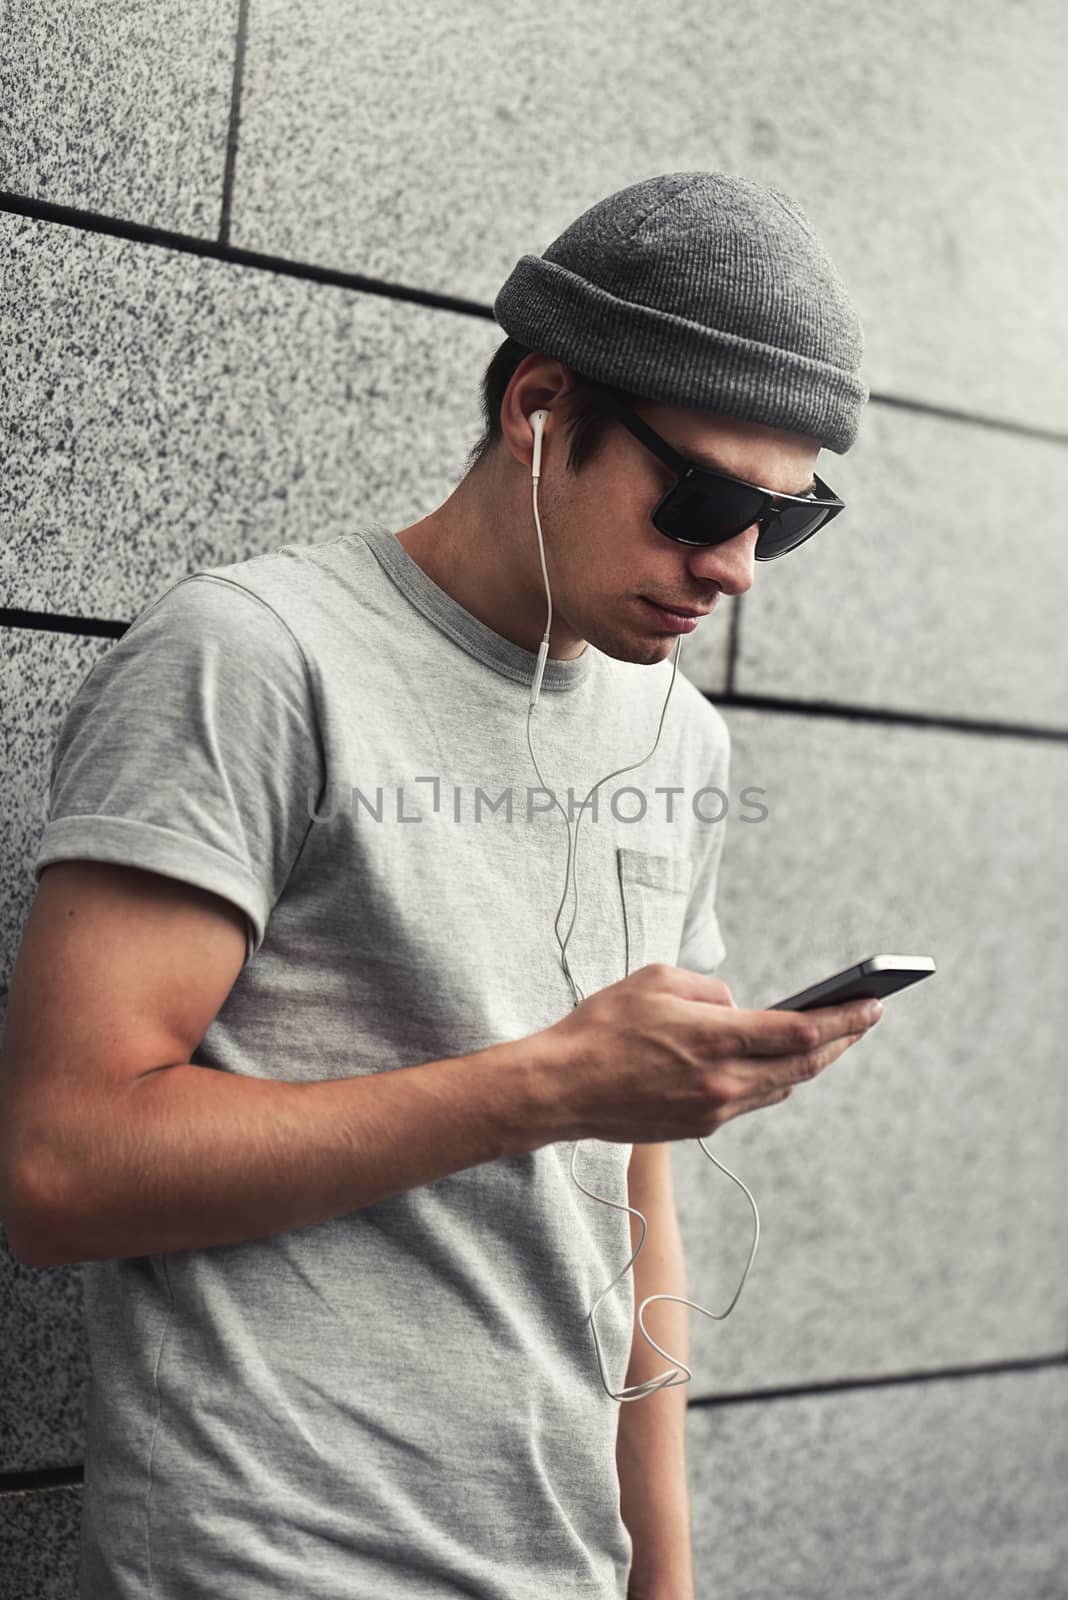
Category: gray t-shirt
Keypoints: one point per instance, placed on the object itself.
(404, 1401)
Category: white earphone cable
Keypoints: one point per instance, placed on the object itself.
(670, 1379)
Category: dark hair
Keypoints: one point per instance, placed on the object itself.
(588, 418)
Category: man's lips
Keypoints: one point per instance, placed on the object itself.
(679, 611)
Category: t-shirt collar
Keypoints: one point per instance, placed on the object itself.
(468, 631)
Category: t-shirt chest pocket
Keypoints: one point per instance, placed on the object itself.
(655, 889)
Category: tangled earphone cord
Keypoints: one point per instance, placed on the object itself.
(664, 1380)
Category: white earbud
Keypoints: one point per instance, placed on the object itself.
(537, 422)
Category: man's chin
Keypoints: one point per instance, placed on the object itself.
(639, 650)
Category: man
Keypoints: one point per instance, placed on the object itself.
(295, 1061)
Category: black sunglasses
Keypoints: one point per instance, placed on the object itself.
(706, 507)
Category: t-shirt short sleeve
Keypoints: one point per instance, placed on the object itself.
(190, 750)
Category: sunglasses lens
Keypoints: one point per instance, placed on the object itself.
(697, 513)
(793, 527)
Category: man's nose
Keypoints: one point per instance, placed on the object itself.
(729, 564)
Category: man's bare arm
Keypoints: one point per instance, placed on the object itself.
(187, 1157)
(113, 1143)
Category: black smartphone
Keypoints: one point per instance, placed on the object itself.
(876, 977)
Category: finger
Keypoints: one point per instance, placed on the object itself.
(778, 1083)
(771, 1097)
(755, 1076)
(794, 1033)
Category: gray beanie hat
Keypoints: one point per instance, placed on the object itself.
(698, 289)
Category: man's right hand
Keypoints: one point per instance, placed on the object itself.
(666, 1054)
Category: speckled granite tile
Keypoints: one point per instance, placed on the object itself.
(40, 674)
(914, 1196)
(950, 1490)
(934, 591)
(107, 111)
(43, 1360)
(39, 1532)
(271, 411)
(44, 1368)
(434, 147)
